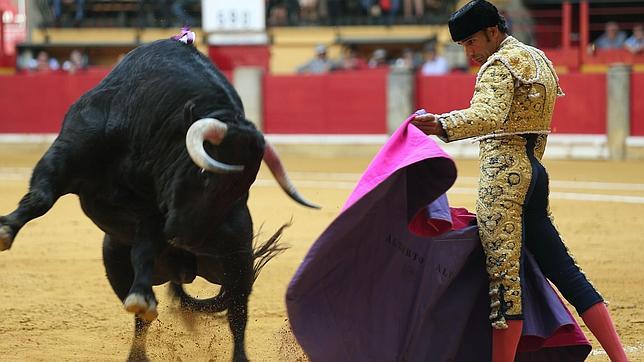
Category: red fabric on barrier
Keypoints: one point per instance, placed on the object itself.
(581, 111)
(563, 57)
(343, 102)
(608, 56)
(637, 105)
(37, 103)
(231, 56)
(440, 94)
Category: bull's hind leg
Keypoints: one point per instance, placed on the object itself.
(116, 258)
(50, 180)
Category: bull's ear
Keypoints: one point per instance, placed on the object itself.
(187, 112)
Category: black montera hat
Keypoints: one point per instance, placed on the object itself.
(474, 16)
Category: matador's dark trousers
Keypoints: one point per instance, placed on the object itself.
(513, 215)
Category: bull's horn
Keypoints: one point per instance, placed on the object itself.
(275, 165)
(213, 131)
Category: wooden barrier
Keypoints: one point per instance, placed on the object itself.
(337, 103)
(37, 103)
(581, 111)
(343, 102)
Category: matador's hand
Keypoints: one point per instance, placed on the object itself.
(428, 123)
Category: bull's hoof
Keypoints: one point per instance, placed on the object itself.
(6, 237)
(136, 303)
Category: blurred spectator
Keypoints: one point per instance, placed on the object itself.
(25, 60)
(308, 9)
(407, 60)
(334, 10)
(635, 43)
(519, 21)
(45, 63)
(413, 9)
(180, 12)
(155, 13)
(434, 4)
(456, 58)
(281, 12)
(378, 58)
(350, 60)
(389, 9)
(319, 64)
(370, 7)
(79, 13)
(612, 38)
(77, 61)
(434, 64)
(384, 9)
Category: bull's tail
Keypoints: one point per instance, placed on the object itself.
(262, 254)
(215, 304)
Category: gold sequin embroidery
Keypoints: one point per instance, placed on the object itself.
(514, 94)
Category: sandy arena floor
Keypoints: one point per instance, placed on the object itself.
(56, 303)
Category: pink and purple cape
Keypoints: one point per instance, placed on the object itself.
(400, 276)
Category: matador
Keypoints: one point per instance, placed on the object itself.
(510, 115)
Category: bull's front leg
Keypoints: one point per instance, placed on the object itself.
(137, 351)
(49, 181)
(238, 282)
(141, 299)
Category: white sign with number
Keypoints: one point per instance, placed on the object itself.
(233, 16)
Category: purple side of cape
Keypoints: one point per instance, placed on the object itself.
(370, 289)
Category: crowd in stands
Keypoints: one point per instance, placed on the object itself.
(141, 13)
(427, 63)
(614, 38)
(356, 12)
(164, 13)
(44, 63)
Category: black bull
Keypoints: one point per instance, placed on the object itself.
(162, 158)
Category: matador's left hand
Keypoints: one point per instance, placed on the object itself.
(428, 123)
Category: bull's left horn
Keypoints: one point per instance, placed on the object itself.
(213, 131)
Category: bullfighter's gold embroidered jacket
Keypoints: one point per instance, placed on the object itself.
(514, 95)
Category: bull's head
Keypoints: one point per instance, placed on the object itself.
(214, 131)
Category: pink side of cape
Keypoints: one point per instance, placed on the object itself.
(408, 145)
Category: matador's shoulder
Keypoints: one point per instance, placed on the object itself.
(518, 58)
(526, 64)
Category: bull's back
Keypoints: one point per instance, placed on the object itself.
(154, 81)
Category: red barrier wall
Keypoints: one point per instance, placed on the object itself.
(440, 94)
(37, 103)
(637, 104)
(351, 102)
(232, 56)
(340, 103)
(581, 111)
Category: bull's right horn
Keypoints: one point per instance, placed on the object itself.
(275, 165)
(213, 131)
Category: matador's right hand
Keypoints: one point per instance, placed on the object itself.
(428, 123)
